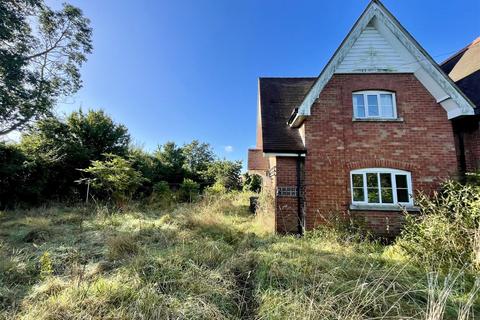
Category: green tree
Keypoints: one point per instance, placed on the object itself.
(252, 182)
(41, 52)
(198, 157)
(63, 147)
(226, 173)
(115, 176)
(189, 190)
(170, 162)
(22, 179)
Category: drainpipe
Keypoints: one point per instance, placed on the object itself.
(301, 218)
(463, 162)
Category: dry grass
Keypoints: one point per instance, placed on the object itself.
(209, 260)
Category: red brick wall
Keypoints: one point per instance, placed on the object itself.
(472, 149)
(423, 143)
(286, 216)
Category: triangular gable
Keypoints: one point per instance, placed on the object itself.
(372, 52)
(401, 53)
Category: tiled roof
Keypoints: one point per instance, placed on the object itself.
(464, 68)
(278, 98)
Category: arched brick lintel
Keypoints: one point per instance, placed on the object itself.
(382, 163)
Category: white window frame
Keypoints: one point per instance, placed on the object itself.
(377, 171)
(365, 103)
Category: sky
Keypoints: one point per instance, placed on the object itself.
(180, 70)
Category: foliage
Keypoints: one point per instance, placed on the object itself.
(63, 147)
(162, 196)
(21, 177)
(443, 236)
(216, 189)
(46, 266)
(169, 163)
(189, 190)
(205, 260)
(252, 182)
(198, 157)
(227, 173)
(41, 52)
(115, 176)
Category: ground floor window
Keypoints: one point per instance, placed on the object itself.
(381, 186)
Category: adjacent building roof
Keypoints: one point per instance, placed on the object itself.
(278, 97)
(464, 68)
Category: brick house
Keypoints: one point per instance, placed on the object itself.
(381, 122)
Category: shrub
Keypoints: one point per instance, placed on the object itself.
(216, 189)
(189, 190)
(252, 182)
(161, 196)
(444, 234)
(115, 176)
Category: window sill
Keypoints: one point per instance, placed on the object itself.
(370, 207)
(377, 120)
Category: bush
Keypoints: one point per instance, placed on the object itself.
(216, 189)
(252, 182)
(162, 196)
(444, 234)
(116, 177)
(189, 190)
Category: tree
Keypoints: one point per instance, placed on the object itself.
(252, 182)
(170, 162)
(226, 173)
(41, 52)
(63, 147)
(22, 179)
(189, 190)
(198, 157)
(115, 177)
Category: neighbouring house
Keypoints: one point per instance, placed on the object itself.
(382, 121)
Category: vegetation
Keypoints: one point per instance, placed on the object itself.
(168, 235)
(446, 235)
(210, 259)
(55, 154)
(41, 52)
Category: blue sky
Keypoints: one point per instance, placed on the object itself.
(180, 70)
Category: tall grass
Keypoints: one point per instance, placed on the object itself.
(211, 259)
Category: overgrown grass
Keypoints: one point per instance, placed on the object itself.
(208, 260)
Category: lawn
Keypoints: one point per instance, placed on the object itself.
(207, 260)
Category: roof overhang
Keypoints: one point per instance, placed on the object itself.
(432, 77)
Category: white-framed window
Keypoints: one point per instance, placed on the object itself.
(374, 104)
(381, 186)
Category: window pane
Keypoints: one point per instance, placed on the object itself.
(386, 180)
(373, 195)
(359, 105)
(402, 195)
(357, 180)
(401, 180)
(372, 181)
(387, 195)
(358, 194)
(386, 103)
(372, 101)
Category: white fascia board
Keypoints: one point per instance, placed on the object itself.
(275, 154)
(425, 62)
(342, 50)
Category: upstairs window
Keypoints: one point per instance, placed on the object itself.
(381, 186)
(374, 104)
